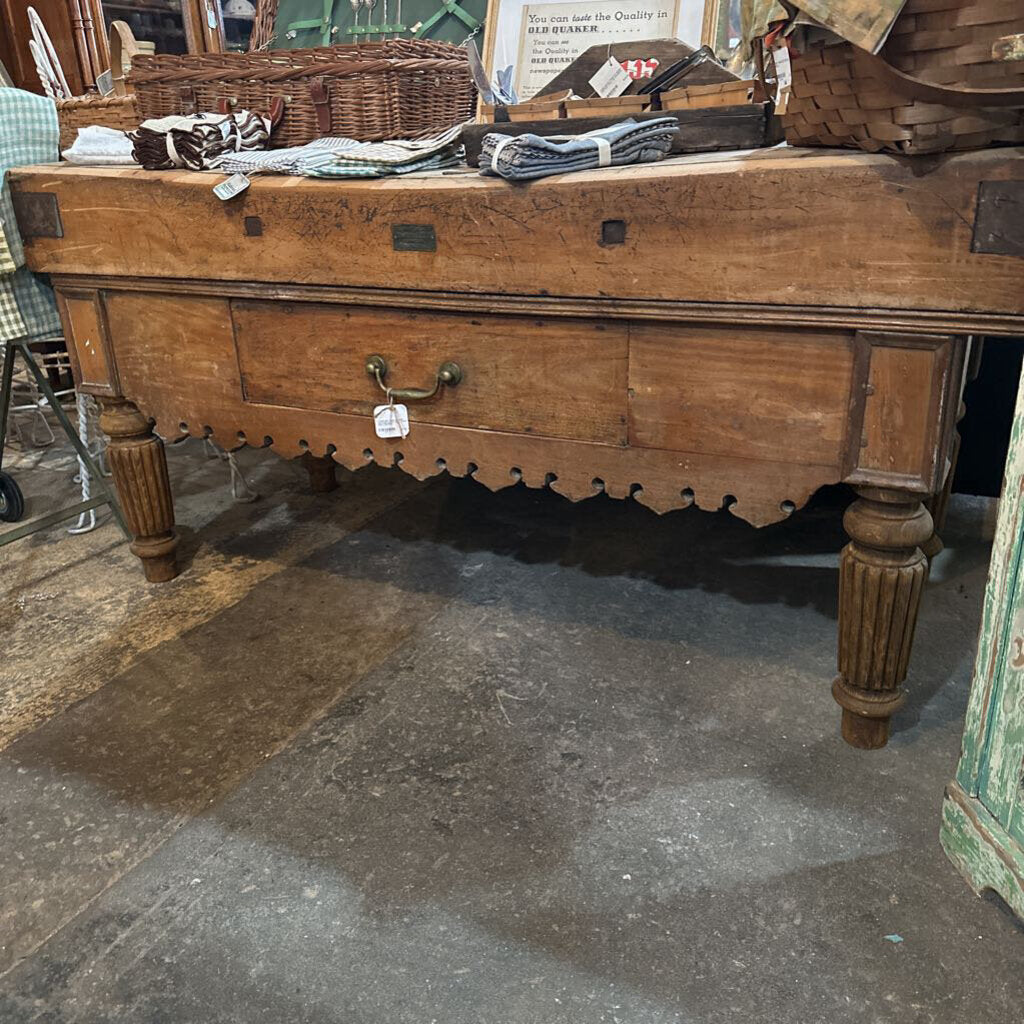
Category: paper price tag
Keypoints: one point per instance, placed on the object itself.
(391, 421)
(783, 67)
(611, 79)
(231, 187)
(783, 77)
(105, 83)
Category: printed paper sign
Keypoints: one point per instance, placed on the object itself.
(554, 35)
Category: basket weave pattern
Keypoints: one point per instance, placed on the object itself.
(118, 112)
(837, 98)
(400, 88)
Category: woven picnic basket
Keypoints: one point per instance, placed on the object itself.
(118, 110)
(934, 86)
(399, 88)
(263, 25)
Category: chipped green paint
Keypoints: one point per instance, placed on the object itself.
(984, 853)
(983, 815)
(995, 650)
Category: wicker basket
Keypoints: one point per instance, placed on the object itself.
(117, 111)
(263, 25)
(934, 87)
(400, 88)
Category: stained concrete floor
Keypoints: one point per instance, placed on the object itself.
(423, 753)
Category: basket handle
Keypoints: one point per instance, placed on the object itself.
(121, 41)
(915, 88)
(950, 95)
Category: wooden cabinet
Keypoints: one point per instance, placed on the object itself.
(983, 814)
(80, 28)
(58, 16)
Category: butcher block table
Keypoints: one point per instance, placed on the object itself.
(723, 330)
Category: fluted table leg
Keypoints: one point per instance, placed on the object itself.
(881, 574)
(139, 466)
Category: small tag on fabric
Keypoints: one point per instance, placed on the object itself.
(391, 420)
(231, 187)
(611, 79)
(783, 77)
(105, 83)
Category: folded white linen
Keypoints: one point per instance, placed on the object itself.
(98, 146)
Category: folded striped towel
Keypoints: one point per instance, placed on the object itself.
(347, 158)
(523, 157)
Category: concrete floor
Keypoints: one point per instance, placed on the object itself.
(422, 753)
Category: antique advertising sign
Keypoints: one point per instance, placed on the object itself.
(538, 40)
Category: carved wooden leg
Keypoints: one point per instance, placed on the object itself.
(321, 469)
(139, 466)
(938, 503)
(881, 573)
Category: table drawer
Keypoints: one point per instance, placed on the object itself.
(551, 377)
(756, 393)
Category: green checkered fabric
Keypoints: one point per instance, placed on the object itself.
(28, 135)
(27, 307)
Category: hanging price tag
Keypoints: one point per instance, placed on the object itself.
(231, 187)
(784, 78)
(611, 79)
(391, 420)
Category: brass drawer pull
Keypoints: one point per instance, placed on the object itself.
(447, 373)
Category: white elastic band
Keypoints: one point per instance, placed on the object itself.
(172, 152)
(497, 151)
(604, 147)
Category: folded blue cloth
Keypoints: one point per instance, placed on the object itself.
(522, 157)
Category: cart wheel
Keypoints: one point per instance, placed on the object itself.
(12, 502)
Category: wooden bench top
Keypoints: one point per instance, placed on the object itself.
(780, 227)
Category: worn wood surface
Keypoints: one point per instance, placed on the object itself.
(188, 376)
(982, 850)
(139, 467)
(996, 707)
(881, 574)
(725, 410)
(737, 394)
(556, 378)
(703, 332)
(795, 227)
(738, 315)
(983, 814)
(58, 17)
(907, 426)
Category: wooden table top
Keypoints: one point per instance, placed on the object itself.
(775, 159)
(800, 228)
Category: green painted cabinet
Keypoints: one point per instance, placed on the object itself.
(301, 23)
(983, 813)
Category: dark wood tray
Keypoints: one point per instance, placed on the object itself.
(744, 126)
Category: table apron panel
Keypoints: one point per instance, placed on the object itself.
(557, 378)
(672, 413)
